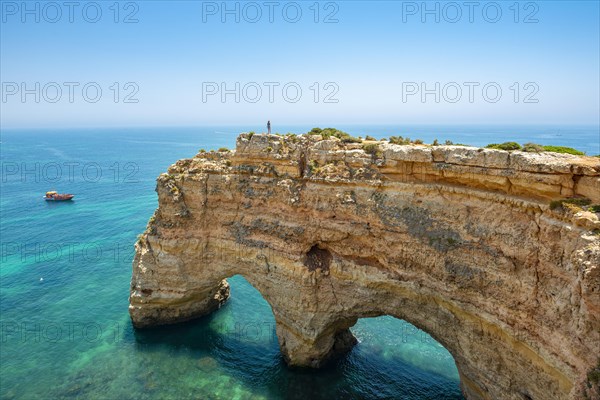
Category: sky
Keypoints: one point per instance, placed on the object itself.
(189, 63)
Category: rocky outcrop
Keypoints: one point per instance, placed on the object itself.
(459, 241)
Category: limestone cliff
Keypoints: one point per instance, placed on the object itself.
(459, 241)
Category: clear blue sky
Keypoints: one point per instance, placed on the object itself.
(373, 50)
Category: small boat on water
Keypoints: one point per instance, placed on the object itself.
(54, 196)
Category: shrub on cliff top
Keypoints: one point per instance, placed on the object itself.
(504, 146)
(292, 137)
(224, 149)
(351, 139)
(533, 148)
(564, 150)
(372, 149)
(330, 132)
(399, 140)
(369, 138)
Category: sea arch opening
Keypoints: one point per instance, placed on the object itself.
(402, 360)
(245, 326)
(391, 355)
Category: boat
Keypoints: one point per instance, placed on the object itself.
(54, 196)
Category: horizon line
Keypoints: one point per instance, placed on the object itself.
(332, 124)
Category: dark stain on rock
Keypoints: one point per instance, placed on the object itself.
(242, 234)
(366, 261)
(462, 275)
(417, 221)
(317, 258)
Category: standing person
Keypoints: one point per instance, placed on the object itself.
(269, 127)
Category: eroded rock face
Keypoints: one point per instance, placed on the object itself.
(459, 241)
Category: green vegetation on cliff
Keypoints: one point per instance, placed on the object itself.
(564, 150)
(372, 149)
(577, 201)
(593, 382)
(574, 205)
(333, 132)
(535, 148)
(504, 146)
(345, 137)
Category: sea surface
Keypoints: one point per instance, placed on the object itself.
(65, 271)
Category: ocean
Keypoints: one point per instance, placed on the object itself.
(64, 281)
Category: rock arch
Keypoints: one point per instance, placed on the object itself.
(460, 242)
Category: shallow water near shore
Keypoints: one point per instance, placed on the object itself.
(66, 268)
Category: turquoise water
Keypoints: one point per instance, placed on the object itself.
(64, 281)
